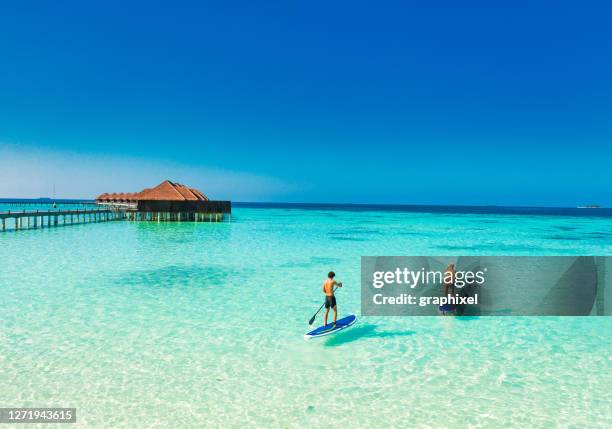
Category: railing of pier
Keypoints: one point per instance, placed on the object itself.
(33, 219)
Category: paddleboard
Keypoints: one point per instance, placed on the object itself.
(328, 329)
(447, 308)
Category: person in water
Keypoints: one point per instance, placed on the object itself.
(449, 288)
(449, 280)
(330, 299)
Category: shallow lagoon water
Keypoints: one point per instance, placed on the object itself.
(200, 325)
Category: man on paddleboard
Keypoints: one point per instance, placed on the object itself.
(330, 299)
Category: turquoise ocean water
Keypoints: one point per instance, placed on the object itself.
(200, 325)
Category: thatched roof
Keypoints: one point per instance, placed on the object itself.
(165, 191)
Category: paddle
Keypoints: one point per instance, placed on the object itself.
(312, 319)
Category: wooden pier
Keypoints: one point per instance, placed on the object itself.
(108, 210)
(33, 219)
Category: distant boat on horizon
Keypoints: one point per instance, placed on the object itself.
(590, 206)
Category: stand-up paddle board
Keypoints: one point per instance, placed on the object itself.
(324, 330)
(447, 308)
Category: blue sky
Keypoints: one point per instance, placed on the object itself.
(397, 102)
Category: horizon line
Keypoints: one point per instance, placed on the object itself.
(89, 200)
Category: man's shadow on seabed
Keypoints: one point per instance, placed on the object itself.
(364, 331)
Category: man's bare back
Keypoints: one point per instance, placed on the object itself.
(328, 287)
(330, 299)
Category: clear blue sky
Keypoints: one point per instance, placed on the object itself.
(314, 101)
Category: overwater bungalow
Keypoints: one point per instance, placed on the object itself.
(168, 201)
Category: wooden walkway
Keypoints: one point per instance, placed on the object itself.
(32, 219)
